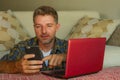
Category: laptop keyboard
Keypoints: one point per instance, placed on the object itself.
(54, 72)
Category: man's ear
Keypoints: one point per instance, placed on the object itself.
(58, 26)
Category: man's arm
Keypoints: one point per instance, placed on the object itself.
(8, 67)
(21, 66)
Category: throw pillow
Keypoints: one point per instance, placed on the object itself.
(2, 53)
(88, 27)
(11, 30)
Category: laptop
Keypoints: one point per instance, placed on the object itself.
(84, 56)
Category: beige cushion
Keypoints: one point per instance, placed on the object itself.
(88, 27)
(11, 30)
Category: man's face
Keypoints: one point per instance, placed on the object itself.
(45, 28)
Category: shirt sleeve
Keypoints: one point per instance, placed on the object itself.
(15, 53)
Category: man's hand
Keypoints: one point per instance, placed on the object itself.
(28, 66)
(55, 59)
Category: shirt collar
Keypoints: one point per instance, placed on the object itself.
(56, 48)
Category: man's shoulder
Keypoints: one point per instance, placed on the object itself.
(30, 41)
(61, 40)
(61, 45)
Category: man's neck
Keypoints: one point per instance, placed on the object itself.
(46, 47)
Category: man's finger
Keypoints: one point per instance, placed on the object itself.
(51, 61)
(32, 71)
(28, 56)
(47, 58)
(34, 67)
(32, 62)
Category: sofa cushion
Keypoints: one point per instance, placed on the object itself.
(111, 56)
(2, 53)
(93, 27)
(11, 30)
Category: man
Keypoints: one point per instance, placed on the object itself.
(46, 25)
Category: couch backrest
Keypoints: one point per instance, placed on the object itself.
(67, 19)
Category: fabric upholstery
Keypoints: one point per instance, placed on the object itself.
(88, 27)
(11, 30)
(111, 73)
(115, 38)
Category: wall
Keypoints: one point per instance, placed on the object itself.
(107, 8)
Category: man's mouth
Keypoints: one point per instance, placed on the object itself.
(44, 36)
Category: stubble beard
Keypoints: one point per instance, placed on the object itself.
(47, 41)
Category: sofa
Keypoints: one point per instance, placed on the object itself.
(67, 20)
(74, 24)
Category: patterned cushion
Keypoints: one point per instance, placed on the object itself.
(112, 73)
(93, 27)
(38, 76)
(2, 53)
(11, 30)
(115, 38)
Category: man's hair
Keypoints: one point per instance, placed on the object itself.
(46, 10)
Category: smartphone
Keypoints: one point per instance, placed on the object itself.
(33, 50)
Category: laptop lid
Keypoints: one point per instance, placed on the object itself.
(84, 56)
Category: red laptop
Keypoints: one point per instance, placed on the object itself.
(84, 56)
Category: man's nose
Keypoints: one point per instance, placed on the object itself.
(44, 29)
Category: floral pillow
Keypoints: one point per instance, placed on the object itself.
(88, 27)
(11, 30)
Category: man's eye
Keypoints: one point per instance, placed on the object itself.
(37, 26)
(49, 25)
